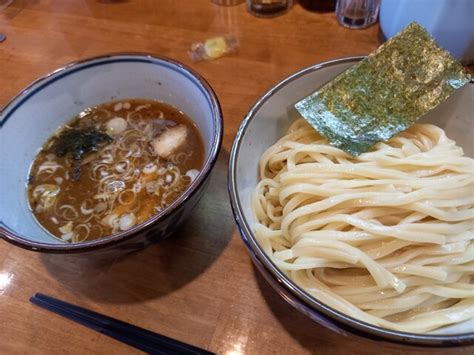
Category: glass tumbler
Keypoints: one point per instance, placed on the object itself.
(357, 14)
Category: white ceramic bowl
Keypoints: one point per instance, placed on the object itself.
(34, 114)
(264, 125)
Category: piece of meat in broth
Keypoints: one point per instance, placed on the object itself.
(169, 141)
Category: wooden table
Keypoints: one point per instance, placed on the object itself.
(200, 286)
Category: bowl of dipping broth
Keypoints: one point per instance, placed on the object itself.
(111, 152)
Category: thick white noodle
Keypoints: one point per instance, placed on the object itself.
(387, 237)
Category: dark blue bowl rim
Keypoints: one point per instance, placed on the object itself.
(106, 242)
(346, 322)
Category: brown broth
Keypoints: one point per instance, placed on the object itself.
(122, 184)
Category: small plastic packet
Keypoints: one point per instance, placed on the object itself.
(213, 48)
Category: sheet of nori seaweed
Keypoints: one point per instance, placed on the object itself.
(385, 93)
(77, 143)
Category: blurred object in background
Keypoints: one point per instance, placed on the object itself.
(450, 22)
(318, 5)
(227, 2)
(226, 18)
(4, 3)
(268, 8)
(2, 37)
(213, 48)
(357, 14)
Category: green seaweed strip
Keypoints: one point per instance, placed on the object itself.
(385, 93)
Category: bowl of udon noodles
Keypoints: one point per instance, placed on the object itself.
(379, 246)
(108, 153)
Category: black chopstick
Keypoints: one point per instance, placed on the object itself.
(132, 335)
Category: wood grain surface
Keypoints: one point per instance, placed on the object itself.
(200, 286)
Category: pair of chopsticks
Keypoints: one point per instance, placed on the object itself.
(132, 335)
